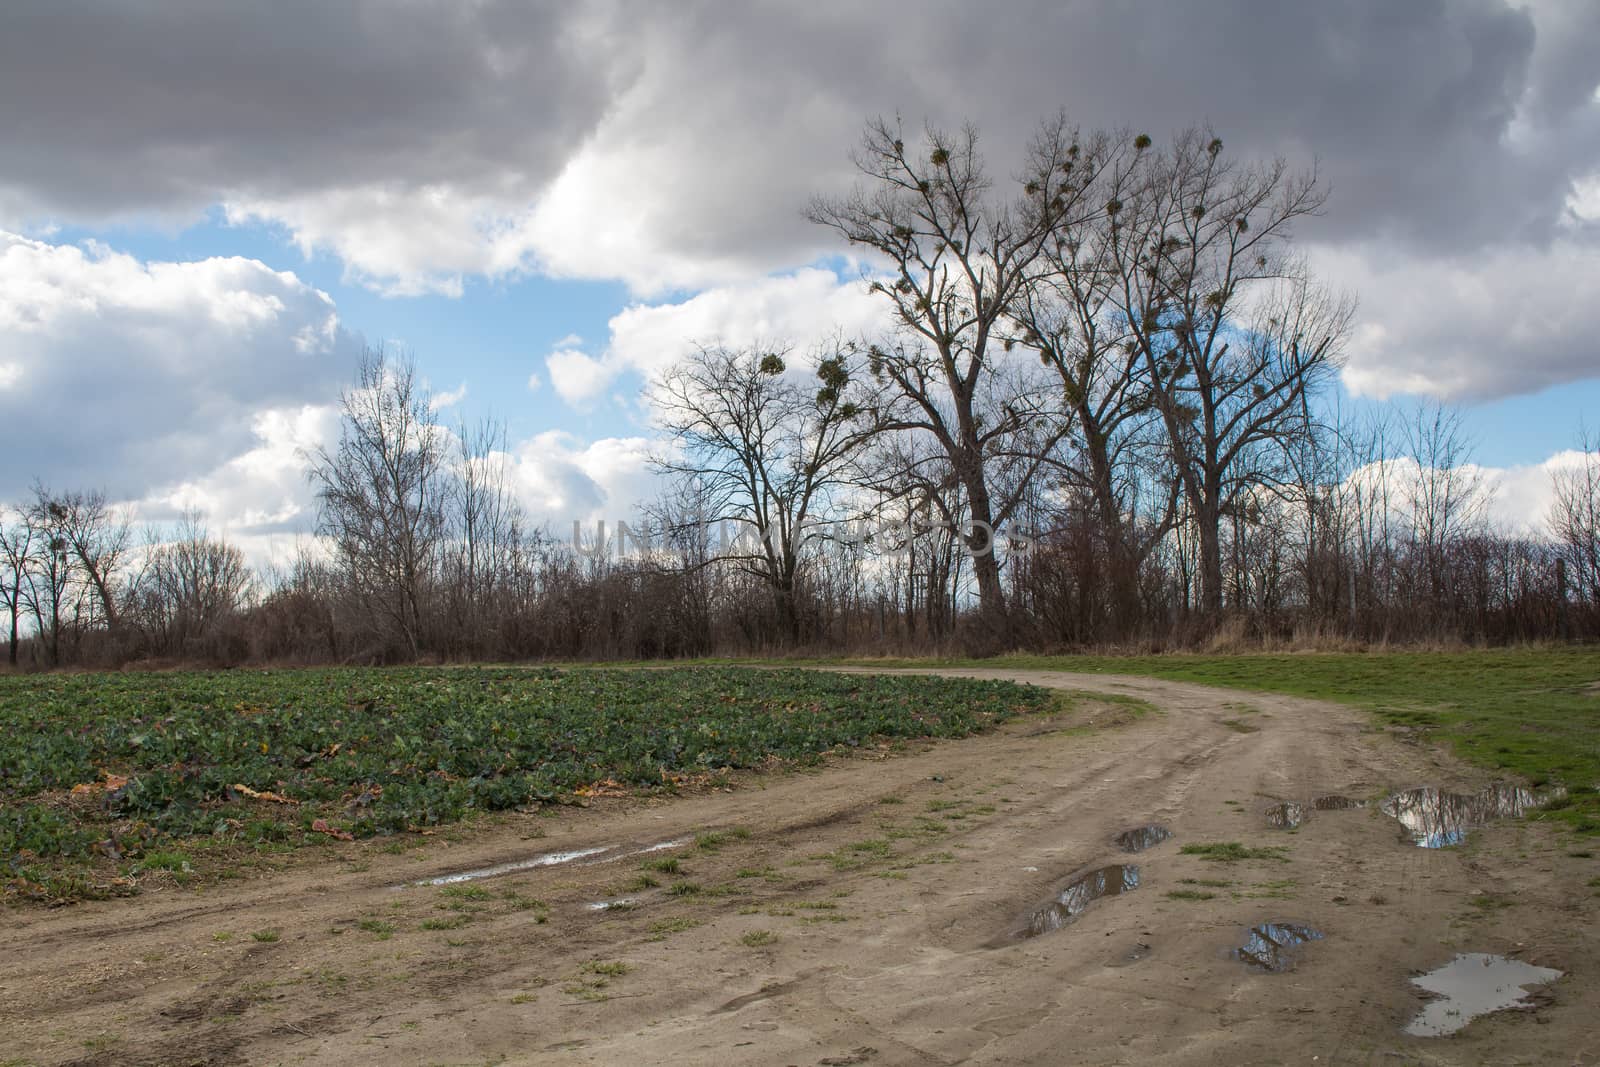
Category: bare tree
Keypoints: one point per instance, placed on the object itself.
(190, 584)
(17, 552)
(1574, 520)
(383, 494)
(1444, 497)
(486, 524)
(1070, 315)
(52, 586)
(97, 535)
(958, 258)
(1231, 331)
(766, 452)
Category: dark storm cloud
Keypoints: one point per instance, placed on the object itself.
(138, 106)
(1410, 106)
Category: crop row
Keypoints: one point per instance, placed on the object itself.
(112, 765)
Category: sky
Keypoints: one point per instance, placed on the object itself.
(206, 210)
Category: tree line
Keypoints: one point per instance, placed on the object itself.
(1101, 413)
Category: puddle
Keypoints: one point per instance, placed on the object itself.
(1141, 837)
(1474, 984)
(547, 859)
(620, 904)
(1286, 816)
(1337, 803)
(1271, 946)
(1434, 818)
(1105, 882)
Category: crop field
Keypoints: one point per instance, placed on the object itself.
(103, 777)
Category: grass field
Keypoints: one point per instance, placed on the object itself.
(1534, 713)
(103, 777)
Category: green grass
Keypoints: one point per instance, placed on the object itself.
(1234, 852)
(1528, 712)
(254, 758)
(611, 969)
(1190, 894)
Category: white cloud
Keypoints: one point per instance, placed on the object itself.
(802, 309)
(535, 383)
(1501, 322)
(561, 479)
(448, 399)
(578, 378)
(133, 374)
(260, 500)
(1522, 495)
(402, 241)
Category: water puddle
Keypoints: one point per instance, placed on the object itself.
(1272, 947)
(1286, 816)
(548, 859)
(1141, 837)
(1474, 984)
(1434, 818)
(620, 904)
(1105, 882)
(1335, 802)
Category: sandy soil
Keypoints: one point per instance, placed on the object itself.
(867, 917)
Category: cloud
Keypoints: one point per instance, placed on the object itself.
(448, 399)
(802, 309)
(577, 377)
(561, 479)
(673, 146)
(129, 375)
(261, 499)
(1510, 320)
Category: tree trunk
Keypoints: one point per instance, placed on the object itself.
(1208, 519)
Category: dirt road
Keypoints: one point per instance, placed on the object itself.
(862, 912)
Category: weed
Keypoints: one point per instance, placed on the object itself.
(1190, 894)
(382, 929)
(1234, 852)
(758, 938)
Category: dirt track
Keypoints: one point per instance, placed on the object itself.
(894, 951)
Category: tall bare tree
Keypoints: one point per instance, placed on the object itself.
(1070, 315)
(1231, 330)
(97, 535)
(17, 557)
(958, 255)
(383, 494)
(1574, 520)
(765, 451)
